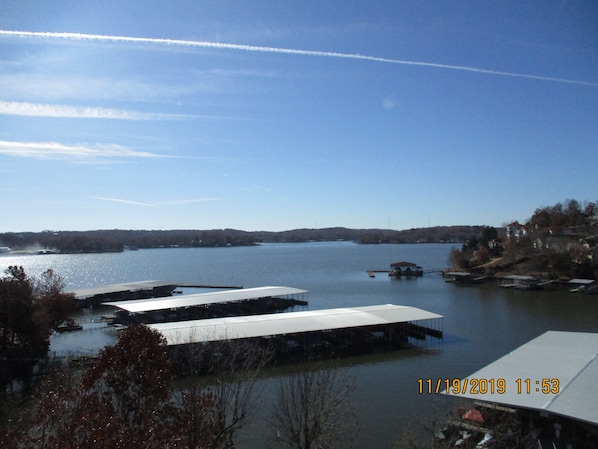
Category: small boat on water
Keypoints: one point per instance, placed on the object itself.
(108, 318)
(69, 326)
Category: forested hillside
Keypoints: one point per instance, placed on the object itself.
(557, 241)
(118, 240)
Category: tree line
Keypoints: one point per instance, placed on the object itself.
(568, 214)
(118, 240)
(30, 310)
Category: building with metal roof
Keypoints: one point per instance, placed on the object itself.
(555, 373)
(280, 324)
(127, 288)
(407, 269)
(550, 383)
(203, 299)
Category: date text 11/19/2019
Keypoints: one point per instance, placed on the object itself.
(488, 386)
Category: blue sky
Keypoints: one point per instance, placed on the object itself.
(278, 115)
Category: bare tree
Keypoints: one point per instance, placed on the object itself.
(311, 410)
(233, 368)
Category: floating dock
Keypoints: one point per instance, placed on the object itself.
(251, 316)
(307, 335)
(128, 290)
(463, 277)
(134, 291)
(245, 301)
(405, 269)
(400, 270)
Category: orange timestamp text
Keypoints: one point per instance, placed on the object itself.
(488, 386)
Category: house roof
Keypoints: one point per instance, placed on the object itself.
(242, 294)
(253, 326)
(567, 360)
(403, 264)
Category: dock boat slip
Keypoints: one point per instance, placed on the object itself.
(200, 299)
(379, 318)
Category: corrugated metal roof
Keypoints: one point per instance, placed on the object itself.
(253, 326)
(518, 277)
(569, 357)
(199, 299)
(582, 281)
(119, 288)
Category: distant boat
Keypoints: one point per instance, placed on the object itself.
(46, 251)
(4, 249)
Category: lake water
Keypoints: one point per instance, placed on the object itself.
(481, 323)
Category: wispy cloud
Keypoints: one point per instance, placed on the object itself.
(253, 48)
(53, 88)
(388, 103)
(255, 187)
(76, 153)
(64, 111)
(158, 204)
(26, 109)
(187, 201)
(123, 201)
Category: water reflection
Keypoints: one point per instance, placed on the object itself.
(481, 323)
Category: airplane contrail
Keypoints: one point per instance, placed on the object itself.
(289, 51)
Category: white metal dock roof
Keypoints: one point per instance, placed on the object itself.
(253, 326)
(582, 281)
(199, 299)
(119, 288)
(570, 357)
(518, 277)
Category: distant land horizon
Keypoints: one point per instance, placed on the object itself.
(242, 230)
(112, 240)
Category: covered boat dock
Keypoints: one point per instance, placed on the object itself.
(328, 332)
(245, 301)
(519, 282)
(463, 277)
(125, 291)
(405, 269)
(548, 385)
